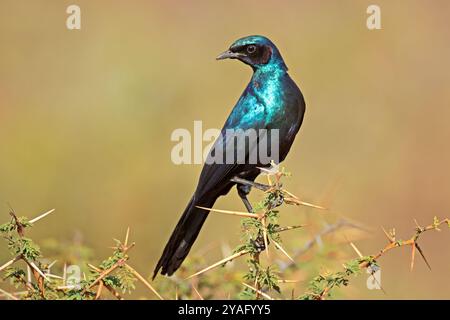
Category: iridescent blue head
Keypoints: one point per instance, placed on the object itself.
(256, 51)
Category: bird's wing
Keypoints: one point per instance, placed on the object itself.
(249, 113)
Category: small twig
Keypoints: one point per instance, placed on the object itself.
(54, 276)
(64, 274)
(125, 243)
(20, 293)
(266, 239)
(287, 281)
(110, 289)
(282, 250)
(38, 275)
(29, 272)
(198, 293)
(10, 262)
(413, 255)
(41, 216)
(106, 272)
(265, 295)
(219, 263)
(99, 290)
(119, 263)
(390, 237)
(281, 229)
(294, 201)
(35, 267)
(356, 250)
(145, 282)
(423, 255)
(234, 213)
(51, 264)
(69, 287)
(255, 258)
(9, 295)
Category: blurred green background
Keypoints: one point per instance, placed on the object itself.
(86, 118)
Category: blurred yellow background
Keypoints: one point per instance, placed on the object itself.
(86, 118)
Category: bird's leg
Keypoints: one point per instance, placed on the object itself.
(243, 191)
(240, 181)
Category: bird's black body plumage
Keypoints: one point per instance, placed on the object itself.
(271, 100)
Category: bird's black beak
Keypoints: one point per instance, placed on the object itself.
(229, 55)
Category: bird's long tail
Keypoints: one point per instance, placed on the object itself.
(183, 237)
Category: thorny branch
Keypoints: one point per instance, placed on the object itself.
(124, 275)
(321, 286)
(261, 229)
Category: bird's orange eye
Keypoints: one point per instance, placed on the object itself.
(251, 49)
